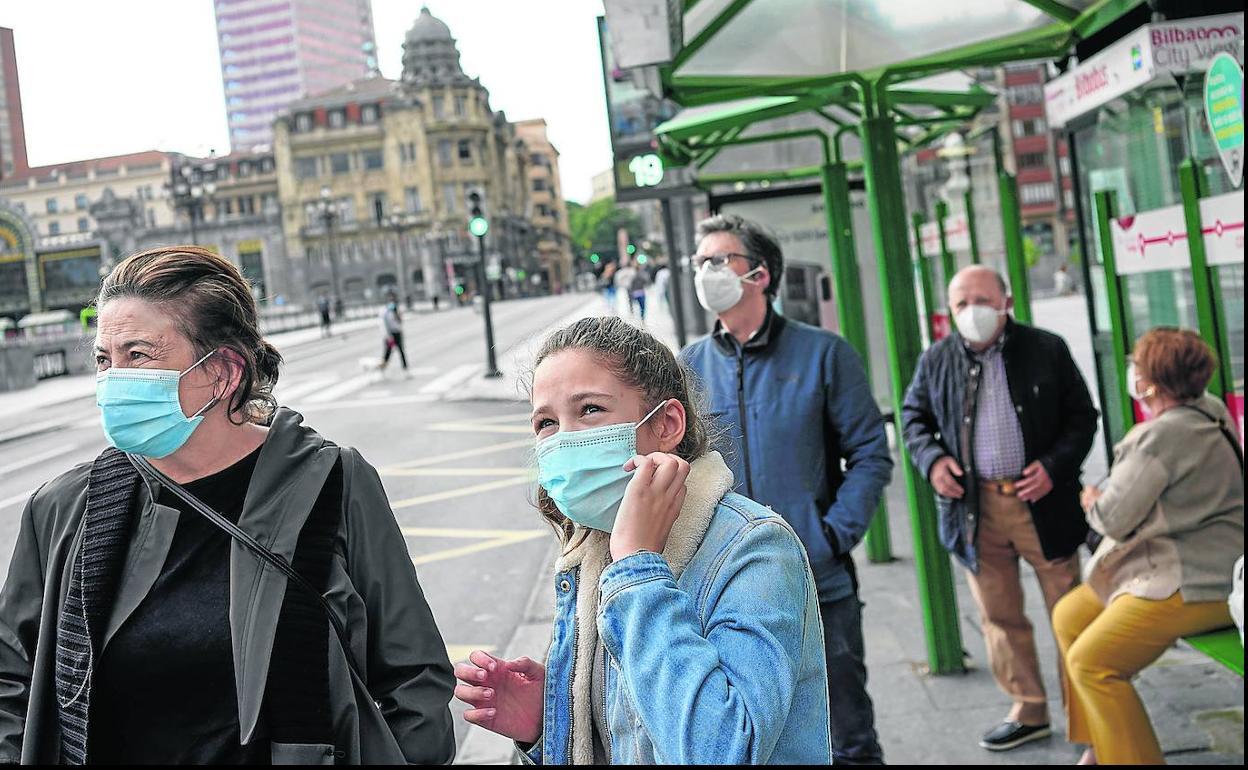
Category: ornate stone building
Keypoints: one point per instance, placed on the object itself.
(374, 178)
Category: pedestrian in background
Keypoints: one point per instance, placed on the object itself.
(686, 617)
(624, 278)
(392, 335)
(607, 282)
(807, 441)
(637, 290)
(661, 278)
(322, 306)
(999, 419)
(134, 629)
(1172, 518)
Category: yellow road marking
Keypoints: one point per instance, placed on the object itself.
(459, 472)
(458, 653)
(451, 494)
(489, 539)
(475, 452)
(468, 534)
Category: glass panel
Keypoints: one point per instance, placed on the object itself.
(866, 33)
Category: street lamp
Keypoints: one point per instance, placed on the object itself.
(479, 225)
(400, 223)
(328, 214)
(190, 186)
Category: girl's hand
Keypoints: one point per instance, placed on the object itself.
(651, 504)
(505, 695)
(1089, 497)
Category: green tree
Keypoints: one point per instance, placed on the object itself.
(1031, 252)
(593, 228)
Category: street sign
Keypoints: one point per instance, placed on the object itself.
(1224, 108)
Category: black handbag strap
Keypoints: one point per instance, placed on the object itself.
(1227, 433)
(265, 555)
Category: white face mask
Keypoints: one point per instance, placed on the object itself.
(1133, 390)
(720, 289)
(978, 323)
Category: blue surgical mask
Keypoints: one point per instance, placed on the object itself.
(140, 410)
(583, 470)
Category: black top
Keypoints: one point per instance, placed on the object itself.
(163, 691)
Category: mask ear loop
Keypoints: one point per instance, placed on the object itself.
(652, 413)
(746, 278)
(214, 400)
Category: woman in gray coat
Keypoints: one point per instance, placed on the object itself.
(135, 630)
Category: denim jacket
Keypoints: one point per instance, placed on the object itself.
(709, 653)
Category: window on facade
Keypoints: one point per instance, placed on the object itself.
(372, 159)
(465, 152)
(305, 168)
(444, 153)
(266, 165)
(461, 105)
(407, 153)
(80, 201)
(244, 168)
(1033, 194)
(1063, 163)
(1028, 127)
(339, 163)
(411, 199)
(439, 106)
(1032, 160)
(1068, 197)
(1032, 93)
(247, 204)
(50, 205)
(83, 224)
(378, 202)
(226, 207)
(346, 209)
(54, 228)
(539, 185)
(368, 113)
(450, 198)
(337, 118)
(537, 159)
(268, 203)
(303, 123)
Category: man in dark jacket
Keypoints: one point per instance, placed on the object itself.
(805, 438)
(999, 419)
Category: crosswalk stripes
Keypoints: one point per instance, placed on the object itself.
(300, 389)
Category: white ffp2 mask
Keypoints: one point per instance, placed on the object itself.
(719, 288)
(978, 323)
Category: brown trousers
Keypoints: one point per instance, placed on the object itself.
(1006, 532)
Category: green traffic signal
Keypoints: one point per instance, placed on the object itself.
(632, 249)
(478, 226)
(459, 288)
(595, 258)
(642, 259)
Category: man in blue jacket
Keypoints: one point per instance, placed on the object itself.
(804, 437)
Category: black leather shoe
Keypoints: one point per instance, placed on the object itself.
(1011, 735)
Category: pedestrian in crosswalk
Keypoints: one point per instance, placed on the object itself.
(686, 616)
(392, 333)
(180, 599)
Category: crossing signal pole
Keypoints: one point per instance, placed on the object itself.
(479, 225)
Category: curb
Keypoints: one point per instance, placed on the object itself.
(532, 638)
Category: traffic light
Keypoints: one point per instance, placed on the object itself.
(594, 258)
(642, 258)
(478, 225)
(632, 249)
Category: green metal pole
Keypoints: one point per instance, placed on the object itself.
(1191, 186)
(947, 265)
(926, 287)
(901, 325)
(851, 316)
(1106, 207)
(969, 200)
(1015, 261)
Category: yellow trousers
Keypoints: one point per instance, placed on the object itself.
(1103, 647)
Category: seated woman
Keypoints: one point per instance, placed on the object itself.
(686, 617)
(1172, 517)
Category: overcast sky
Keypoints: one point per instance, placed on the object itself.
(106, 77)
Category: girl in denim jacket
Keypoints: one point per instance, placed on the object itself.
(686, 617)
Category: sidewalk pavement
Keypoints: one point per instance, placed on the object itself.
(61, 390)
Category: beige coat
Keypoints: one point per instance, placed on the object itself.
(1173, 511)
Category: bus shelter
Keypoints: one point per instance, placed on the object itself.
(856, 54)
